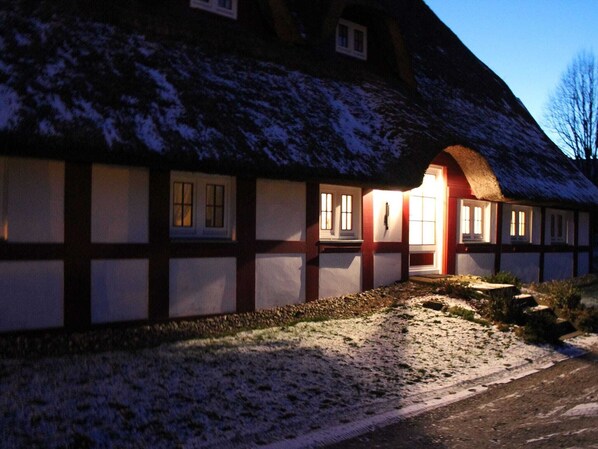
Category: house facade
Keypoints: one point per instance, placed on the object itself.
(154, 168)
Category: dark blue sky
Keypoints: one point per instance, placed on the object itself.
(528, 43)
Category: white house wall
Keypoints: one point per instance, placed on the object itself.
(394, 199)
(119, 290)
(31, 295)
(202, 286)
(35, 203)
(340, 274)
(583, 264)
(526, 266)
(279, 280)
(387, 268)
(558, 266)
(481, 264)
(280, 210)
(119, 204)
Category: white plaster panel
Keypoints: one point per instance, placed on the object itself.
(394, 198)
(279, 280)
(203, 286)
(119, 204)
(558, 266)
(340, 274)
(35, 206)
(584, 229)
(387, 268)
(119, 290)
(526, 266)
(31, 295)
(280, 210)
(583, 264)
(475, 264)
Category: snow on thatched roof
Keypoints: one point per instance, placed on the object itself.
(81, 89)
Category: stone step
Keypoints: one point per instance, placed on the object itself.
(539, 309)
(564, 327)
(494, 290)
(525, 300)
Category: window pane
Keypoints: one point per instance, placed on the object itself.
(346, 212)
(522, 224)
(552, 226)
(429, 212)
(182, 204)
(560, 226)
(214, 206)
(428, 233)
(343, 36)
(415, 233)
(178, 192)
(415, 208)
(465, 222)
(358, 41)
(513, 231)
(187, 216)
(477, 217)
(326, 211)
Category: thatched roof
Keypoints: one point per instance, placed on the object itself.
(217, 98)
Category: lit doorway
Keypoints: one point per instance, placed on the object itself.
(426, 223)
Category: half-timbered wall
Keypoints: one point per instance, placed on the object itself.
(91, 244)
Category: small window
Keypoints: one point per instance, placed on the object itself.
(557, 228)
(475, 221)
(351, 39)
(519, 229)
(202, 206)
(226, 8)
(340, 212)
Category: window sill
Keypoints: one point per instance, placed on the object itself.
(195, 239)
(340, 246)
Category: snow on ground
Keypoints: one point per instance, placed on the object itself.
(257, 387)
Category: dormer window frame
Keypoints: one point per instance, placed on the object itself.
(215, 6)
(347, 43)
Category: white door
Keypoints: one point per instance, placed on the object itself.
(426, 221)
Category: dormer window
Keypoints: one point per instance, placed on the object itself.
(226, 8)
(351, 39)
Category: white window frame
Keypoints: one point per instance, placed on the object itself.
(336, 233)
(214, 7)
(198, 228)
(515, 226)
(350, 50)
(486, 217)
(3, 199)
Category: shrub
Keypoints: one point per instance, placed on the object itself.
(459, 290)
(503, 307)
(466, 314)
(503, 277)
(562, 296)
(586, 319)
(541, 328)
